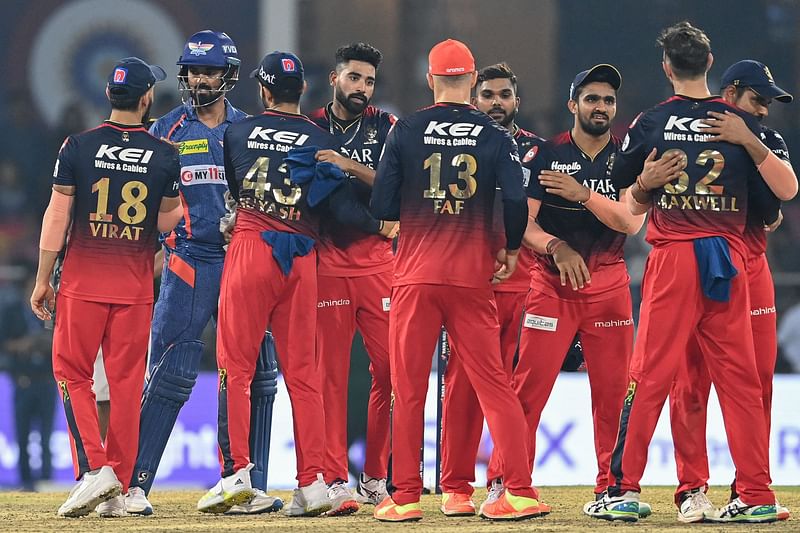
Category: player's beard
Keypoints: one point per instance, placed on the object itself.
(208, 96)
(146, 115)
(507, 118)
(596, 130)
(355, 103)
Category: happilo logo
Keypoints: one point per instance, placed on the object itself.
(202, 174)
(613, 323)
(571, 168)
(333, 303)
(544, 323)
(127, 155)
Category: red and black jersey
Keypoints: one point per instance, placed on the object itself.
(712, 195)
(600, 246)
(346, 250)
(520, 280)
(755, 238)
(439, 174)
(120, 174)
(258, 178)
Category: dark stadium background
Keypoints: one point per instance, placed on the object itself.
(54, 77)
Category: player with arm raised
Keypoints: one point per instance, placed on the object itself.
(439, 173)
(118, 186)
(270, 278)
(695, 282)
(355, 276)
(495, 95)
(749, 86)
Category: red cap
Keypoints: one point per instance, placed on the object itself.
(450, 58)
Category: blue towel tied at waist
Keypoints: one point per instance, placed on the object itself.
(716, 268)
(324, 177)
(287, 246)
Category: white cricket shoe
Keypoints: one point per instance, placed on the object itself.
(136, 502)
(311, 500)
(261, 503)
(694, 505)
(235, 489)
(783, 512)
(371, 490)
(113, 508)
(496, 490)
(94, 488)
(624, 507)
(738, 511)
(342, 500)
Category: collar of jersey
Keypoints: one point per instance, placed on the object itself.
(587, 156)
(343, 125)
(117, 125)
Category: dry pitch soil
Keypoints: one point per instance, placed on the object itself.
(175, 511)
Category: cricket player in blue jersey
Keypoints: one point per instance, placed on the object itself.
(193, 258)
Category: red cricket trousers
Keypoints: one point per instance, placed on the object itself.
(690, 391)
(346, 304)
(470, 317)
(255, 294)
(548, 330)
(462, 418)
(673, 311)
(123, 331)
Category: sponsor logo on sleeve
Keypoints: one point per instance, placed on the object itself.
(530, 154)
(545, 323)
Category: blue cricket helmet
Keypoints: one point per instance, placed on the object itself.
(213, 49)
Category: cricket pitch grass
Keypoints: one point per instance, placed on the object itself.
(175, 511)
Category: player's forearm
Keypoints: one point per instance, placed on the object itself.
(168, 218)
(640, 197)
(615, 215)
(536, 238)
(56, 220)
(779, 176)
(362, 172)
(634, 206)
(47, 262)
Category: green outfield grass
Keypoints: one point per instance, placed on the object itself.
(175, 511)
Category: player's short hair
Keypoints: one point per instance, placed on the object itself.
(359, 51)
(124, 103)
(687, 49)
(452, 81)
(287, 95)
(496, 72)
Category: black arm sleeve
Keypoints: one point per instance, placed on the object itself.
(345, 208)
(515, 203)
(385, 203)
(230, 171)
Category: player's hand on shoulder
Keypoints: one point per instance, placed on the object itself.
(658, 172)
(728, 127)
(390, 228)
(505, 265)
(43, 300)
(571, 266)
(563, 185)
(332, 156)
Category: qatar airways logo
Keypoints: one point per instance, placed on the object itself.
(571, 168)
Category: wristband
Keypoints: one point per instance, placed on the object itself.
(552, 245)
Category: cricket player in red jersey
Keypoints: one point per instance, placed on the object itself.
(355, 282)
(495, 95)
(439, 173)
(270, 278)
(749, 86)
(118, 186)
(579, 281)
(695, 281)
